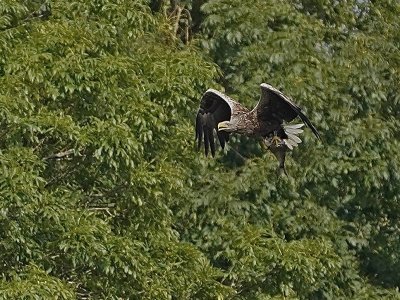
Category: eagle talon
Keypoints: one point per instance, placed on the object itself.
(276, 140)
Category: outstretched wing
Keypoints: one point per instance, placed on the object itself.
(274, 105)
(215, 107)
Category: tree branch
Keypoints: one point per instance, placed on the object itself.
(60, 155)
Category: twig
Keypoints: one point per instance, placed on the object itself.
(188, 25)
(178, 17)
(60, 155)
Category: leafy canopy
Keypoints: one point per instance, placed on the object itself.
(103, 196)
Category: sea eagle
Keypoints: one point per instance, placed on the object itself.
(266, 121)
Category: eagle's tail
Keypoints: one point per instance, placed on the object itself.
(292, 131)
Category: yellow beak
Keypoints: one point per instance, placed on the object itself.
(222, 125)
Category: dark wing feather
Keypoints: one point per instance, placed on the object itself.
(215, 107)
(274, 105)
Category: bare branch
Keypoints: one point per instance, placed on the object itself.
(60, 155)
(178, 17)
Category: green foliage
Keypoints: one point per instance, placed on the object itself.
(103, 196)
(339, 60)
(34, 283)
(88, 105)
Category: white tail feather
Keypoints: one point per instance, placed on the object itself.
(292, 131)
(294, 125)
(288, 144)
(294, 138)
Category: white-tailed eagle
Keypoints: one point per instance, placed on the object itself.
(266, 121)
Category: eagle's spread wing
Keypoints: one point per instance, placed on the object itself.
(215, 107)
(274, 105)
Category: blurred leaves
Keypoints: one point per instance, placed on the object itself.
(103, 196)
(88, 105)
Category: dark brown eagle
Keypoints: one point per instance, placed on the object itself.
(266, 121)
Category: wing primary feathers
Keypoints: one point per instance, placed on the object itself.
(215, 107)
(221, 139)
(281, 107)
(199, 131)
(211, 141)
(206, 140)
(200, 138)
(309, 124)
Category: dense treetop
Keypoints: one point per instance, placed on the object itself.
(102, 194)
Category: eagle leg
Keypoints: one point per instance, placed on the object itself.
(278, 149)
(280, 154)
(276, 140)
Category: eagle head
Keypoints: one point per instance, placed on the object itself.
(226, 126)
